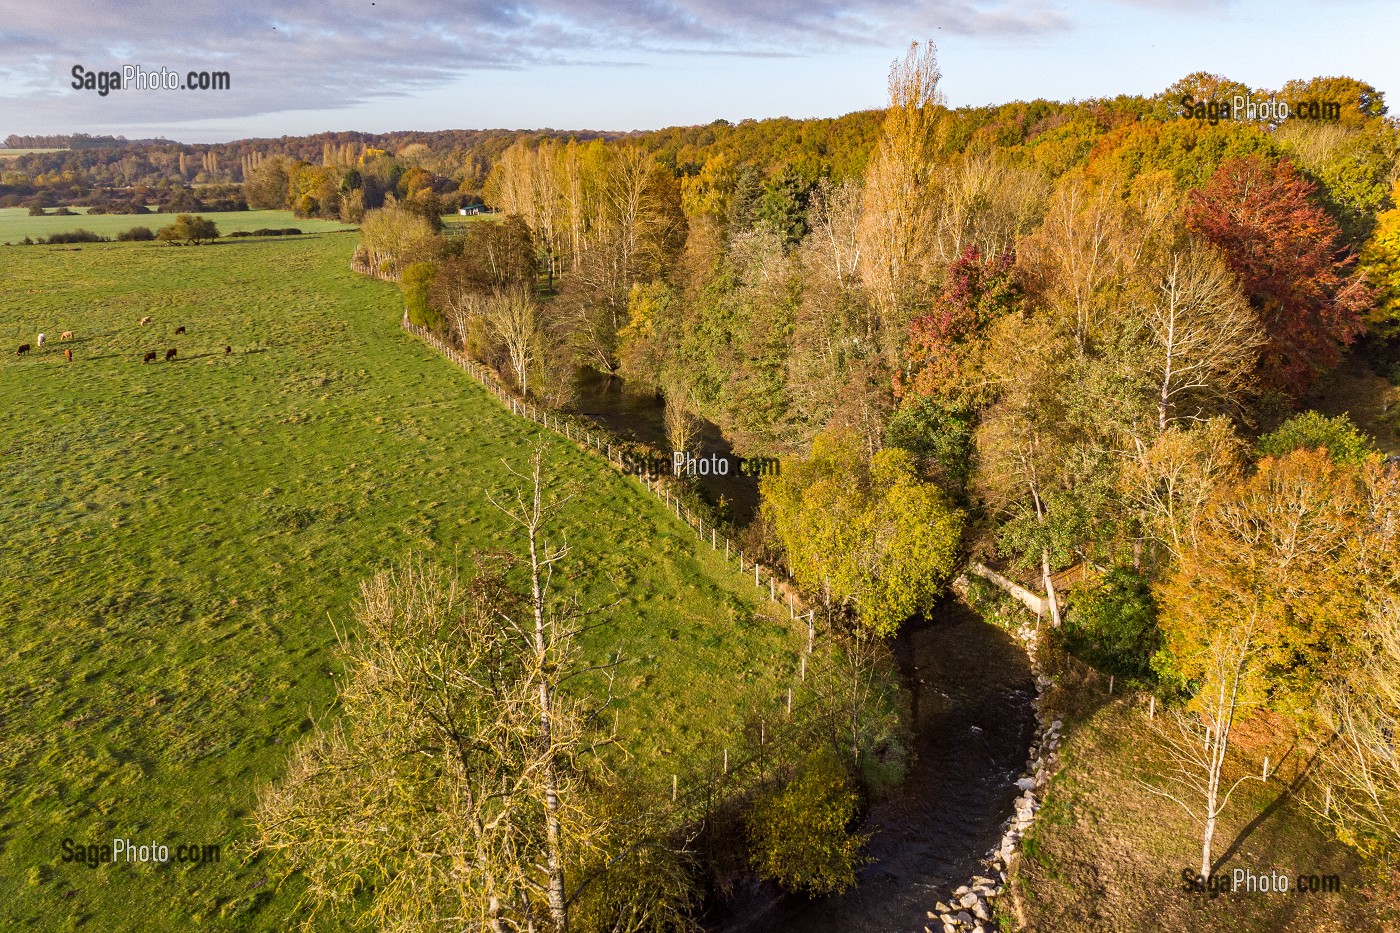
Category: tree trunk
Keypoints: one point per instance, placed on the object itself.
(1049, 588)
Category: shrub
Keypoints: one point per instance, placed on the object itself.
(63, 212)
(939, 436)
(415, 282)
(190, 229)
(799, 835)
(1114, 626)
(37, 210)
(136, 233)
(1312, 431)
(77, 236)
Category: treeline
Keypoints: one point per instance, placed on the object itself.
(1055, 335)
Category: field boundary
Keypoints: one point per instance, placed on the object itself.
(777, 584)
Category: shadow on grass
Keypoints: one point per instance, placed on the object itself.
(1288, 793)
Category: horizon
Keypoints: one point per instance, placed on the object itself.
(387, 67)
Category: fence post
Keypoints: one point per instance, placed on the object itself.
(811, 628)
(674, 787)
(789, 701)
(756, 584)
(772, 589)
(726, 762)
(712, 537)
(741, 561)
(726, 550)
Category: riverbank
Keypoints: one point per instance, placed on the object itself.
(971, 690)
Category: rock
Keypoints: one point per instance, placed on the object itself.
(1026, 783)
(964, 917)
(942, 908)
(1057, 725)
(981, 879)
(981, 911)
(963, 889)
(968, 900)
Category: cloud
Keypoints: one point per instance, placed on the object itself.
(317, 55)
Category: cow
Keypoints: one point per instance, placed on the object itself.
(41, 340)
(148, 358)
(145, 321)
(170, 354)
(68, 355)
(228, 350)
(180, 329)
(23, 349)
(66, 335)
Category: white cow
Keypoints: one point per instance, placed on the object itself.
(40, 341)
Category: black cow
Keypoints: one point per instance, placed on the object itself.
(23, 349)
(180, 329)
(148, 358)
(170, 354)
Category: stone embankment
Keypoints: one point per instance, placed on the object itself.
(969, 910)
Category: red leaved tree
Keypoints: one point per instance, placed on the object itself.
(1289, 256)
(979, 289)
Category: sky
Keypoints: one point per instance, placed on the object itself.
(304, 66)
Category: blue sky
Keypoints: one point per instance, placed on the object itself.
(302, 66)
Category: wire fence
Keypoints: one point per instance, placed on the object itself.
(780, 590)
(717, 774)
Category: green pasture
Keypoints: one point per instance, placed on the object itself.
(16, 224)
(181, 542)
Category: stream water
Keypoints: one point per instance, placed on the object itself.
(641, 417)
(971, 688)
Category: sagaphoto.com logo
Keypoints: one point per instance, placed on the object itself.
(136, 78)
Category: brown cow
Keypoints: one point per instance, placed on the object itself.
(170, 354)
(180, 329)
(23, 349)
(228, 350)
(149, 358)
(145, 321)
(68, 355)
(66, 335)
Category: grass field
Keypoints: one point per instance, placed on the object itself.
(16, 153)
(16, 224)
(181, 539)
(1105, 853)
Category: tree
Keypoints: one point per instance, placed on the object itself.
(799, 834)
(426, 795)
(394, 237)
(1113, 625)
(415, 283)
(1381, 261)
(865, 534)
(1205, 339)
(1287, 253)
(1198, 738)
(269, 186)
(896, 217)
(1361, 764)
(512, 316)
(189, 229)
(451, 793)
(1313, 430)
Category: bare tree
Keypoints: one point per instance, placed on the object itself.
(1198, 737)
(1205, 337)
(513, 318)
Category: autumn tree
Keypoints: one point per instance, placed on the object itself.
(864, 534)
(1359, 777)
(1287, 253)
(896, 218)
(800, 832)
(394, 237)
(189, 230)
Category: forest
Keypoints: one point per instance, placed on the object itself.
(1076, 341)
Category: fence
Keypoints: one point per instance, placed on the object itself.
(779, 588)
(719, 772)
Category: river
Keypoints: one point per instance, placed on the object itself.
(971, 688)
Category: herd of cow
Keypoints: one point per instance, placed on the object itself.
(150, 356)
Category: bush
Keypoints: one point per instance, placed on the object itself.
(1114, 626)
(36, 210)
(939, 437)
(799, 835)
(415, 282)
(136, 233)
(190, 229)
(63, 212)
(77, 236)
(1312, 431)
